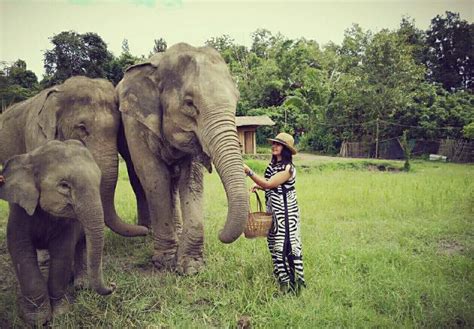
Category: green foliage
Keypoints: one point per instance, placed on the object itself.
(116, 67)
(468, 130)
(160, 46)
(17, 83)
(327, 95)
(323, 95)
(450, 42)
(75, 54)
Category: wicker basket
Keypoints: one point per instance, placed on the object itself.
(258, 223)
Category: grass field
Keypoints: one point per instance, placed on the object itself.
(381, 249)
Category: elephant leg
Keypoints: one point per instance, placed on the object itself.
(61, 253)
(80, 264)
(177, 216)
(34, 299)
(191, 244)
(142, 205)
(143, 213)
(43, 262)
(154, 176)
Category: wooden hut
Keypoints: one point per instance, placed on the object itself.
(247, 128)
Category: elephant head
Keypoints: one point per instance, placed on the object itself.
(63, 180)
(86, 110)
(187, 98)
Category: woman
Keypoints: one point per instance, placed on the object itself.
(284, 238)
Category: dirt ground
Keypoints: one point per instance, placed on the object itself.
(309, 157)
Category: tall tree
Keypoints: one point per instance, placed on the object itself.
(262, 40)
(125, 47)
(75, 54)
(220, 43)
(353, 48)
(17, 83)
(116, 67)
(160, 46)
(415, 38)
(451, 52)
(21, 76)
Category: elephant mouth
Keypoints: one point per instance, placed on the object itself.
(187, 142)
(64, 211)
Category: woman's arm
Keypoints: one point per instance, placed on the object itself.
(273, 182)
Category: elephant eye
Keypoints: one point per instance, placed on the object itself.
(82, 128)
(190, 108)
(188, 101)
(64, 187)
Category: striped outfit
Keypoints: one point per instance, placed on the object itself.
(284, 238)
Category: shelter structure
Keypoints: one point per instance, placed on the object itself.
(247, 129)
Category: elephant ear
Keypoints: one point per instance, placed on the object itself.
(139, 94)
(46, 114)
(19, 186)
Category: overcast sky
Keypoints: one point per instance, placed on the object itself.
(26, 25)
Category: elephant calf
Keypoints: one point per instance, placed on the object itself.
(55, 204)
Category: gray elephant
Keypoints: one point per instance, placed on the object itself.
(54, 198)
(178, 111)
(83, 109)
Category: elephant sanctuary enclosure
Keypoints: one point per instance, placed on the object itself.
(381, 249)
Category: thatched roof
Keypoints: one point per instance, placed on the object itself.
(261, 120)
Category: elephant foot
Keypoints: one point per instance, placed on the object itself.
(164, 260)
(81, 282)
(190, 265)
(35, 312)
(61, 305)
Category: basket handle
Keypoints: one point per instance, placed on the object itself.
(259, 202)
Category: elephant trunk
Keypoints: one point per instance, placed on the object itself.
(221, 140)
(91, 216)
(107, 161)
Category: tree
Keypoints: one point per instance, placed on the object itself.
(262, 40)
(75, 54)
(17, 83)
(353, 48)
(391, 74)
(116, 67)
(19, 75)
(451, 52)
(220, 43)
(414, 38)
(160, 46)
(125, 47)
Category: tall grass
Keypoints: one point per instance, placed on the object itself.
(381, 249)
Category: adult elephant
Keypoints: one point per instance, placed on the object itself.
(83, 109)
(178, 111)
(54, 195)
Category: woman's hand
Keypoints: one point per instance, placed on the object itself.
(255, 187)
(246, 169)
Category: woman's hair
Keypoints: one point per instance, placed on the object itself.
(286, 156)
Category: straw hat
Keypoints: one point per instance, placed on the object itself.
(286, 140)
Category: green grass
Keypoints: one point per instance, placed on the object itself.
(381, 249)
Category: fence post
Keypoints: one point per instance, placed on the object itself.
(377, 139)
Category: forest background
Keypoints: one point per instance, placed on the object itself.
(402, 80)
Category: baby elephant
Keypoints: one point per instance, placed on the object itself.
(54, 197)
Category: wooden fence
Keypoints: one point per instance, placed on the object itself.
(457, 150)
(454, 150)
